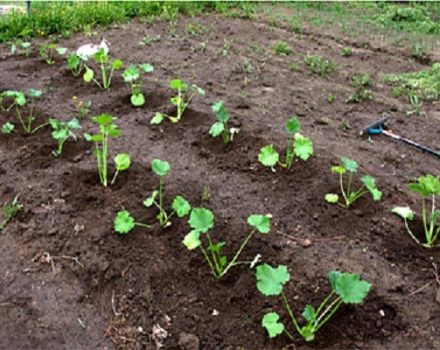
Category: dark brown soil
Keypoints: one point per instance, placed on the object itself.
(121, 286)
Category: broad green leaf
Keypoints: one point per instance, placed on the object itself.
(181, 206)
(216, 248)
(338, 169)
(94, 138)
(331, 198)
(124, 222)
(103, 119)
(157, 119)
(112, 130)
(351, 288)
(146, 67)
(122, 161)
(117, 64)
(349, 164)
(8, 128)
(160, 167)
(20, 99)
(293, 125)
(60, 134)
(333, 277)
(268, 156)
(88, 75)
(370, 183)
(201, 219)
(74, 124)
(61, 50)
(177, 84)
(216, 129)
(270, 280)
(303, 146)
(309, 314)
(220, 112)
(34, 93)
(192, 240)
(260, 222)
(404, 212)
(272, 325)
(428, 185)
(131, 73)
(150, 200)
(137, 99)
(73, 61)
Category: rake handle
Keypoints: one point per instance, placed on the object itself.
(412, 143)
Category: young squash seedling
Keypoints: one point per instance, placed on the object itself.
(48, 51)
(298, 146)
(107, 68)
(319, 65)
(201, 220)
(347, 288)
(75, 64)
(10, 210)
(221, 126)
(107, 129)
(124, 223)
(180, 205)
(348, 193)
(362, 83)
(133, 76)
(18, 100)
(428, 187)
(62, 131)
(21, 45)
(185, 94)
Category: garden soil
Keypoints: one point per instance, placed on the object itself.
(68, 281)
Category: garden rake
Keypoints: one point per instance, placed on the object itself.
(378, 128)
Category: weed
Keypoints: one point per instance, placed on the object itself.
(10, 210)
(62, 131)
(220, 127)
(185, 94)
(201, 220)
(428, 187)
(23, 46)
(346, 51)
(319, 65)
(331, 98)
(282, 48)
(298, 146)
(293, 66)
(149, 40)
(48, 51)
(362, 83)
(133, 76)
(347, 288)
(348, 193)
(82, 107)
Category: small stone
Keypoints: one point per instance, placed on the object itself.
(188, 342)
(77, 158)
(323, 121)
(305, 243)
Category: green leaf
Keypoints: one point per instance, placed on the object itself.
(73, 61)
(270, 280)
(349, 164)
(331, 198)
(199, 90)
(260, 222)
(220, 112)
(303, 147)
(146, 67)
(216, 248)
(370, 183)
(124, 222)
(88, 75)
(8, 128)
(103, 119)
(181, 206)
(160, 167)
(61, 50)
(74, 124)
(117, 64)
(150, 200)
(192, 240)
(34, 93)
(122, 161)
(333, 277)
(293, 125)
(60, 134)
(131, 73)
(157, 119)
(137, 99)
(112, 130)
(201, 219)
(338, 169)
(309, 314)
(268, 156)
(177, 84)
(428, 185)
(216, 129)
(351, 288)
(404, 212)
(270, 322)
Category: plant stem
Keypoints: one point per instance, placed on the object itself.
(161, 216)
(142, 225)
(347, 202)
(21, 119)
(325, 301)
(114, 177)
(289, 311)
(425, 227)
(334, 306)
(39, 127)
(234, 259)
(410, 232)
(209, 261)
(214, 258)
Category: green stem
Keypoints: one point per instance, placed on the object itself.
(350, 179)
(214, 258)
(410, 232)
(234, 259)
(21, 119)
(161, 215)
(425, 227)
(289, 311)
(347, 202)
(209, 261)
(325, 301)
(333, 307)
(39, 127)
(114, 177)
(431, 222)
(142, 225)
